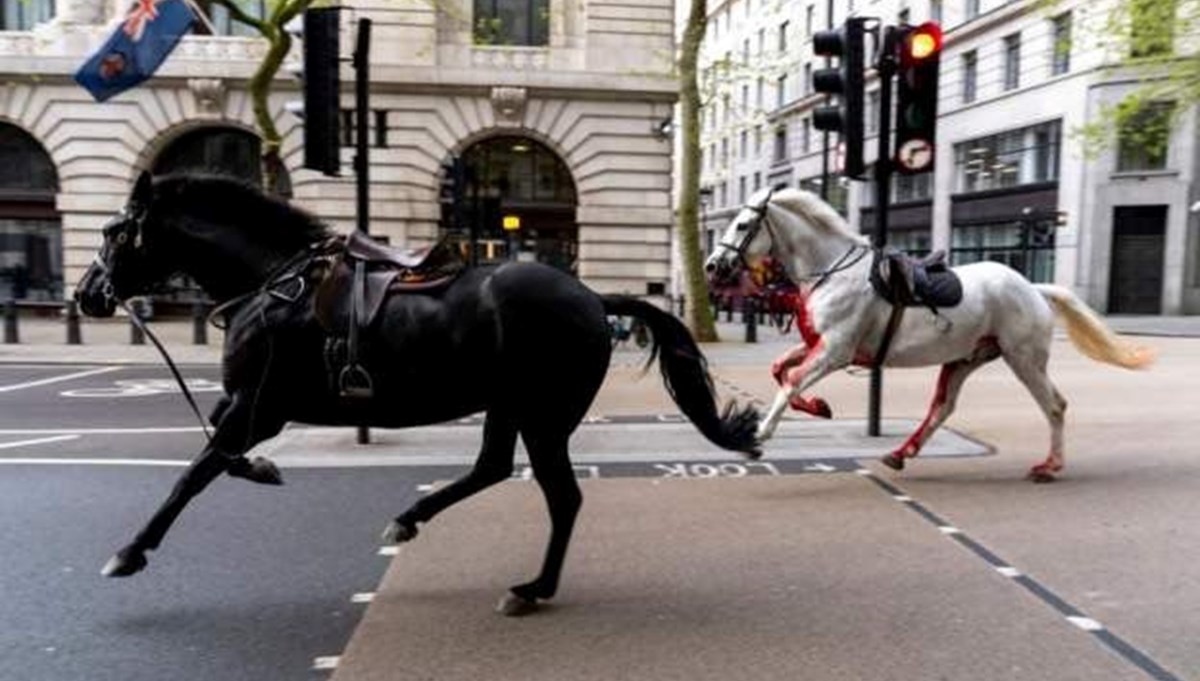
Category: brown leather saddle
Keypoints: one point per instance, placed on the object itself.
(360, 278)
(906, 281)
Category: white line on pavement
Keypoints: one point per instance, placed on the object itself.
(172, 463)
(57, 379)
(326, 662)
(37, 441)
(100, 431)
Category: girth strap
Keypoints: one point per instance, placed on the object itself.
(354, 381)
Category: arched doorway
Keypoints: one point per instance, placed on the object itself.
(522, 183)
(31, 249)
(219, 150)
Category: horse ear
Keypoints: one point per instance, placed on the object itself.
(143, 191)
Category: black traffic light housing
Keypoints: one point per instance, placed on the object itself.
(846, 82)
(917, 98)
(322, 90)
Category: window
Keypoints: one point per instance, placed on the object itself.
(1060, 59)
(781, 143)
(742, 189)
(836, 196)
(805, 134)
(809, 14)
(31, 251)
(1027, 246)
(807, 85)
(1152, 28)
(1012, 62)
(743, 144)
(783, 30)
(727, 104)
(220, 18)
(871, 114)
(1009, 159)
(917, 187)
(762, 40)
(972, 9)
(758, 140)
(724, 152)
(1143, 139)
(970, 64)
(745, 99)
(781, 96)
(512, 22)
(757, 181)
(935, 10)
(722, 195)
(758, 93)
(903, 16)
(746, 51)
(23, 15)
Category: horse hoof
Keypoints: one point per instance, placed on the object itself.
(821, 409)
(513, 605)
(753, 454)
(125, 563)
(260, 470)
(398, 532)
(893, 461)
(1040, 475)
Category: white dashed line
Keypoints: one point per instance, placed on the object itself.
(947, 529)
(1085, 623)
(425, 488)
(902, 497)
(365, 597)
(326, 662)
(169, 463)
(1008, 571)
(389, 550)
(866, 472)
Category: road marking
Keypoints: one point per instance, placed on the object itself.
(389, 550)
(171, 463)
(326, 662)
(57, 379)
(38, 441)
(101, 431)
(365, 597)
(1085, 623)
(425, 488)
(947, 529)
(1008, 571)
(902, 497)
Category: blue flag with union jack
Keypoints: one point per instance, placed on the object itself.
(141, 44)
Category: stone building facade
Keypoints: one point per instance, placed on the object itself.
(1012, 179)
(558, 105)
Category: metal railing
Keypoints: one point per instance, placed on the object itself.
(68, 312)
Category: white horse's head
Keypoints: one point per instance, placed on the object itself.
(744, 244)
(794, 227)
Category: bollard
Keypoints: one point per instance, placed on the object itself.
(74, 337)
(11, 333)
(136, 337)
(729, 310)
(751, 316)
(199, 323)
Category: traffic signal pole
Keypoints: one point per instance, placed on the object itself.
(362, 162)
(886, 68)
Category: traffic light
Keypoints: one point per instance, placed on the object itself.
(451, 193)
(846, 82)
(917, 98)
(322, 89)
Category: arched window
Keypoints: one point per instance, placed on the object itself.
(23, 15)
(30, 227)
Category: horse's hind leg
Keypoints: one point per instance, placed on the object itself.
(945, 398)
(495, 464)
(1030, 368)
(239, 430)
(556, 477)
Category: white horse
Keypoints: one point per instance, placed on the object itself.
(843, 321)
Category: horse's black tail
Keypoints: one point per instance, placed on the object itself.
(685, 374)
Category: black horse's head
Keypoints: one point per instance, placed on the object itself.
(126, 265)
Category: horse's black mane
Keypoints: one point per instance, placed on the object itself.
(229, 201)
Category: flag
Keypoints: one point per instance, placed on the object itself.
(141, 43)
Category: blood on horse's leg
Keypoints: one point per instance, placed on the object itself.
(809, 405)
(786, 361)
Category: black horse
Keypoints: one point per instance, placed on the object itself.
(523, 342)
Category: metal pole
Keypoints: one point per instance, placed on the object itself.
(883, 182)
(362, 163)
(199, 322)
(74, 337)
(12, 333)
(825, 134)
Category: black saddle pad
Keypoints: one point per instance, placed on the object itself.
(939, 287)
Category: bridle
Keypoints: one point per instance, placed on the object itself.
(761, 221)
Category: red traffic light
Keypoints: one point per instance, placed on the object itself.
(922, 42)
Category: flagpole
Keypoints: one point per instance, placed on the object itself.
(201, 16)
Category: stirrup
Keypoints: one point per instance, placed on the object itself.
(354, 381)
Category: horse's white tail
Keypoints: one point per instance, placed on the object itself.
(1090, 334)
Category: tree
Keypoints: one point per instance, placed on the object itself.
(1141, 36)
(279, 43)
(698, 314)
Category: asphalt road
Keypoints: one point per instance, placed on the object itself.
(253, 583)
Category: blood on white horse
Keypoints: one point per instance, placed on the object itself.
(842, 321)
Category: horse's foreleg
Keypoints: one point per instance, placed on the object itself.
(779, 371)
(945, 398)
(787, 360)
(818, 363)
(233, 437)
